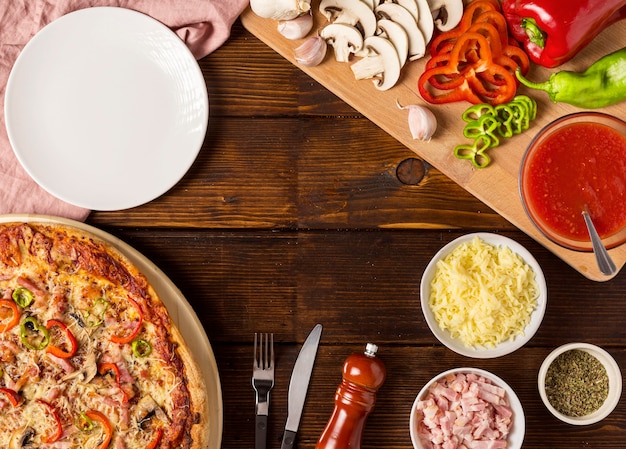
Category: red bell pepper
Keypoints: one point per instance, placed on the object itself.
(68, 349)
(156, 440)
(58, 427)
(554, 31)
(12, 395)
(10, 318)
(109, 367)
(132, 333)
(107, 429)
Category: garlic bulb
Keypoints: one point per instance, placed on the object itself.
(422, 122)
(280, 9)
(296, 28)
(312, 51)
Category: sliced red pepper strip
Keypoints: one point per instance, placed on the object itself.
(98, 417)
(12, 395)
(68, 336)
(123, 339)
(54, 436)
(497, 20)
(494, 93)
(443, 42)
(113, 368)
(484, 80)
(474, 9)
(460, 92)
(490, 33)
(157, 439)
(519, 56)
(8, 321)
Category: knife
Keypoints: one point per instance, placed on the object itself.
(299, 384)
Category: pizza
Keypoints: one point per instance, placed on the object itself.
(89, 356)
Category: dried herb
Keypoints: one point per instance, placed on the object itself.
(576, 383)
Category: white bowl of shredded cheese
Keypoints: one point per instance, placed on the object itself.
(469, 407)
(483, 295)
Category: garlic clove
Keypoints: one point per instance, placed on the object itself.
(280, 9)
(296, 28)
(422, 121)
(311, 52)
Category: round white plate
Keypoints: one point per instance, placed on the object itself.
(106, 108)
(508, 346)
(179, 309)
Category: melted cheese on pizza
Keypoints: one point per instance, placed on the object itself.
(120, 378)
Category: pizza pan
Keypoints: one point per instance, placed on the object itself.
(179, 309)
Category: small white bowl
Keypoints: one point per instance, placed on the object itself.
(505, 347)
(615, 383)
(518, 428)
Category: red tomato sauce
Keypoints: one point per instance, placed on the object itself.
(582, 164)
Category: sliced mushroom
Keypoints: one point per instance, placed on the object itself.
(400, 15)
(409, 5)
(350, 12)
(381, 64)
(146, 409)
(87, 371)
(22, 438)
(398, 37)
(425, 21)
(345, 39)
(446, 13)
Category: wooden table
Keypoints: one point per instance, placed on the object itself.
(300, 211)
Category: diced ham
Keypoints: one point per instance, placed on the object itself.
(31, 285)
(464, 411)
(64, 364)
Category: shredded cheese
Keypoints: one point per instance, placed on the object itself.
(483, 294)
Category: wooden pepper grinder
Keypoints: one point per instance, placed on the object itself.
(363, 374)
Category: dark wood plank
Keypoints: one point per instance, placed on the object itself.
(310, 173)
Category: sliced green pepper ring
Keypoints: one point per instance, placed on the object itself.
(531, 105)
(505, 117)
(483, 126)
(23, 297)
(475, 152)
(84, 423)
(477, 111)
(34, 335)
(95, 316)
(141, 348)
(521, 118)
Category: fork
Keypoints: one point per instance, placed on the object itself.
(262, 382)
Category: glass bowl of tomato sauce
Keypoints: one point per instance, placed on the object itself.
(574, 163)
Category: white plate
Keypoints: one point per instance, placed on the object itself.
(106, 108)
(179, 309)
(518, 429)
(508, 346)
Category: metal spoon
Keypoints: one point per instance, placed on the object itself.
(605, 263)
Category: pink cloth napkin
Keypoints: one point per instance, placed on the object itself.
(203, 25)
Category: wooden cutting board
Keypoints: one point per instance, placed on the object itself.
(495, 185)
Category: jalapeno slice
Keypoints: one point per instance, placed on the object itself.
(23, 297)
(95, 316)
(84, 423)
(141, 348)
(34, 335)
